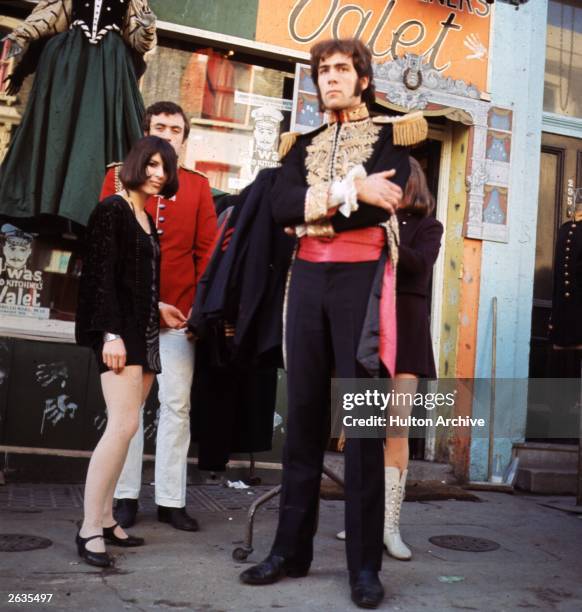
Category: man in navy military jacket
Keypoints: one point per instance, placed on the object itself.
(337, 188)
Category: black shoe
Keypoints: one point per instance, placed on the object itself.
(178, 518)
(125, 512)
(367, 590)
(92, 558)
(111, 538)
(271, 570)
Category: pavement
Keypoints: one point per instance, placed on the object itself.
(537, 566)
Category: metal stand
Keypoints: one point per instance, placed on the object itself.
(253, 480)
(240, 553)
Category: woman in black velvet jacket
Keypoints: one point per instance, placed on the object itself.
(118, 317)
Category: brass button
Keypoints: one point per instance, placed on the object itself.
(567, 249)
(566, 282)
(566, 273)
(567, 294)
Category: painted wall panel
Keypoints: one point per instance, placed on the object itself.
(517, 79)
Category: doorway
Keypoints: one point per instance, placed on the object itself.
(560, 174)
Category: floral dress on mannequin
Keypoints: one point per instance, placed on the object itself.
(85, 109)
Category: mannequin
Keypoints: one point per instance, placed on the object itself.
(84, 110)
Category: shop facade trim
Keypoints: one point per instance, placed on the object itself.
(562, 125)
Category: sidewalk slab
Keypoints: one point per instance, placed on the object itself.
(538, 565)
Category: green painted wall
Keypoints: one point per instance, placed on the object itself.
(233, 17)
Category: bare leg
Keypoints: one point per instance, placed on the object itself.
(108, 520)
(123, 393)
(396, 450)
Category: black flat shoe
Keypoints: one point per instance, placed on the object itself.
(178, 518)
(125, 512)
(367, 590)
(92, 558)
(129, 542)
(271, 570)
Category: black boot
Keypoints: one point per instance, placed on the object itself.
(367, 590)
(271, 570)
(178, 518)
(125, 512)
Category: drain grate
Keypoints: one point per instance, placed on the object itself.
(200, 498)
(464, 543)
(18, 542)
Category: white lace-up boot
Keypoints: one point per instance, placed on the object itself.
(394, 496)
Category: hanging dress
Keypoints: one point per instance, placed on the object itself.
(85, 109)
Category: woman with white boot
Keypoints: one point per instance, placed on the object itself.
(420, 240)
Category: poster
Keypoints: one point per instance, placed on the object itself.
(20, 286)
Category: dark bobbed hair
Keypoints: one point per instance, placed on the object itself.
(417, 197)
(134, 171)
(361, 57)
(165, 108)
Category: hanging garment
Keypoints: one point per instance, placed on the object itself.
(84, 110)
(243, 288)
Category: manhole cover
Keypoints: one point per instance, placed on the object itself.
(17, 542)
(465, 543)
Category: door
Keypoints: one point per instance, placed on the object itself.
(560, 175)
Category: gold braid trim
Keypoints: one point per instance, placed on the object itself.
(323, 229)
(316, 201)
(393, 239)
(355, 145)
(285, 305)
(118, 183)
(408, 130)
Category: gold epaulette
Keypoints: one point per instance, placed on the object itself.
(194, 171)
(286, 142)
(408, 129)
(114, 165)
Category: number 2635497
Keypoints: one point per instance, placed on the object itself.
(17, 598)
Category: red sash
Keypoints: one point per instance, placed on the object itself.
(355, 246)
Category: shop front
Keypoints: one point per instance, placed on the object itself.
(244, 79)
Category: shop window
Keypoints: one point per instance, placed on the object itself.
(563, 80)
(238, 110)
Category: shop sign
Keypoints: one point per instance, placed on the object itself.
(451, 35)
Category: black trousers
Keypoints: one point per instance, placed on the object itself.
(325, 313)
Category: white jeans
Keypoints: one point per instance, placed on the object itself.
(173, 437)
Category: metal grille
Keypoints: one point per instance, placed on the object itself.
(17, 542)
(464, 543)
(200, 498)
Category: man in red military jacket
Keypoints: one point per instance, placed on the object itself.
(186, 225)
